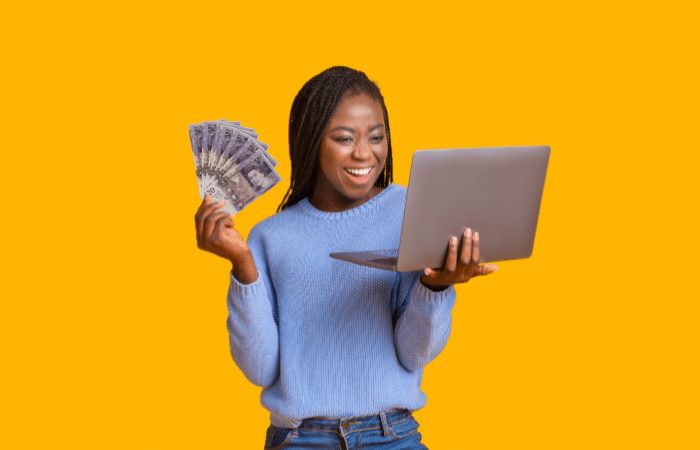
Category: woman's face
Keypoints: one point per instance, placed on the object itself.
(352, 155)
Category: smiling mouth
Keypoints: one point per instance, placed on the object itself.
(359, 172)
(360, 177)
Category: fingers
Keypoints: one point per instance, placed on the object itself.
(478, 269)
(465, 255)
(210, 221)
(461, 264)
(207, 207)
(448, 270)
(219, 228)
(451, 260)
(205, 219)
(198, 216)
(457, 258)
(205, 201)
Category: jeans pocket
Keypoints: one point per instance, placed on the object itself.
(403, 426)
(277, 438)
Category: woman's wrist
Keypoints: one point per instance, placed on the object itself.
(244, 270)
(434, 288)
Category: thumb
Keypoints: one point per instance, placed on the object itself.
(487, 269)
(430, 273)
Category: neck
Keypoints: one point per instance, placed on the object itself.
(331, 204)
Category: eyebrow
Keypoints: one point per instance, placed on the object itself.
(342, 128)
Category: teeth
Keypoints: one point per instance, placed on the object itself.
(359, 172)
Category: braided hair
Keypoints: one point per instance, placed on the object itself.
(311, 112)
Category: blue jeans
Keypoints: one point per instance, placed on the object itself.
(394, 430)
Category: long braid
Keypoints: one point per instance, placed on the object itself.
(311, 111)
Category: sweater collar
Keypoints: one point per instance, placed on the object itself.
(311, 210)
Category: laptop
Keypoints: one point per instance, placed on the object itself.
(495, 191)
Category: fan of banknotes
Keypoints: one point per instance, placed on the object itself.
(231, 163)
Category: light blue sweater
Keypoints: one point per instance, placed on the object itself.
(327, 338)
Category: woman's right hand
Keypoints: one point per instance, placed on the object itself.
(216, 234)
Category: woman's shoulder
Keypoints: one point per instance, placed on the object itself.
(396, 191)
(278, 222)
(392, 196)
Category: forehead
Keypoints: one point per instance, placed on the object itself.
(358, 107)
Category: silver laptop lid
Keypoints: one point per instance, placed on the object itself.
(495, 191)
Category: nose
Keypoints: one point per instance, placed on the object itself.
(362, 150)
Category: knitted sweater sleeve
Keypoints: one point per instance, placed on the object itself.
(252, 325)
(422, 320)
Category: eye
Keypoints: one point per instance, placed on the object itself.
(377, 139)
(342, 139)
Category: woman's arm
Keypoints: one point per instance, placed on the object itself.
(216, 234)
(423, 314)
(422, 320)
(253, 332)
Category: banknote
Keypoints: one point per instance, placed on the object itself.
(245, 151)
(231, 164)
(235, 142)
(196, 143)
(208, 131)
(246, 182)
(269, 157)
(238, 190)
(265, 146)
(222, 136)
(259, 173)
(250, 132)
(217, 194)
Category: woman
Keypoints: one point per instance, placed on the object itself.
(338, 348)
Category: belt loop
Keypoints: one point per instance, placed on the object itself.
(385, 426)
(295, 432)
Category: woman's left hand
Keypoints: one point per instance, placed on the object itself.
(460, 266)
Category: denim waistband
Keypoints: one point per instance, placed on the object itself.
(357, 423)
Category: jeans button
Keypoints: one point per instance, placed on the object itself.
(346, 425)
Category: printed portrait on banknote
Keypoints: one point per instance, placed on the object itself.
(259, 173)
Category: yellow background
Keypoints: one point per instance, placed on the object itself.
(113, 322)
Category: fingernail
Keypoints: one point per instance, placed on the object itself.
(453, 240)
